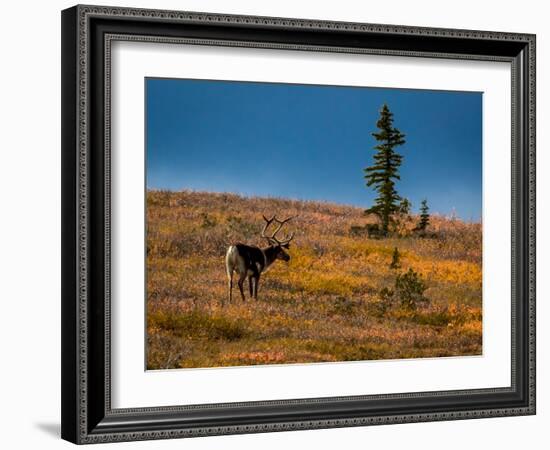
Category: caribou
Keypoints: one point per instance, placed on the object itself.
(251, 261)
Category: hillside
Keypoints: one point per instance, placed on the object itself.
(324, 305)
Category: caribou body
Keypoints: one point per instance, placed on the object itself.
(250, 262)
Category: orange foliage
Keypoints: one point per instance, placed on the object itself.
(322, 305)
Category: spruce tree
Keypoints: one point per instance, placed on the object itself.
(396, 256)
(424, 216)
(385, 171)
(405, 207)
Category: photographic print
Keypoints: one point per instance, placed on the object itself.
(294, 223)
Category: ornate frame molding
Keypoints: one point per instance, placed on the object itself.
(80, 423)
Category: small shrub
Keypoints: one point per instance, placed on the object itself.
(409, 288)
(371, 230)
(396, 256)
(374, 231)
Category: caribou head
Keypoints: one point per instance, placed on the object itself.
(277, 246)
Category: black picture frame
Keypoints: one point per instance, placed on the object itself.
(87, 416)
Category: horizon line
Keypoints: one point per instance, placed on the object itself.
(447, 216)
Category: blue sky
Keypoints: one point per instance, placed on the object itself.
(312, 142)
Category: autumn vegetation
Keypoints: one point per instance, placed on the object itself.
(345, 295)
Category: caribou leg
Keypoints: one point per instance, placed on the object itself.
(240, 283)
(256, 283)
(230, 285)
(251, 286)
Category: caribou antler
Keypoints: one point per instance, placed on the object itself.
(267, 223)
(273, 238)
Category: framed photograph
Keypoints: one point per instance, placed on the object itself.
(278, 224)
